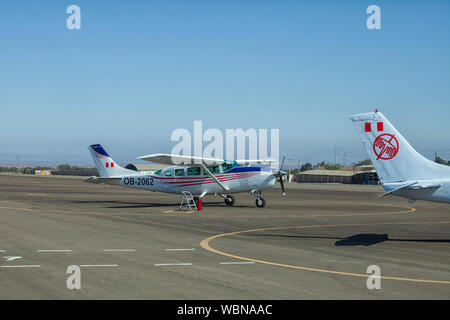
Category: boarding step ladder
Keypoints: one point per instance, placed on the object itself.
(188, 202)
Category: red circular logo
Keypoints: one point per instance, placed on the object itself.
(385, 146)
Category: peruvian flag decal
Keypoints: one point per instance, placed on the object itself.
(368, 126)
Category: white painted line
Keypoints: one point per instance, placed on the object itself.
(173, 264)
(22, 266)
(2, 251)
(52, 250)
(98, 265)
(119, 250)
(187, 249)
(247, 262)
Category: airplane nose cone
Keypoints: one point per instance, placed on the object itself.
(279, 173)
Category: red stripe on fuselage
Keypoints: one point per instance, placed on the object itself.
(209, 179)
(183, 184)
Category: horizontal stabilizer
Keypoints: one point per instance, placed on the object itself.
(412, 186)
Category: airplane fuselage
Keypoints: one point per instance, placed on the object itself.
(241, 179)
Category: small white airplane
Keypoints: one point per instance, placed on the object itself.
(400, 168)
(216, 177)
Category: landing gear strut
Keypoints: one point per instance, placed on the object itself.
(260, 202)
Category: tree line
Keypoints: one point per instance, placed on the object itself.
(63, 169)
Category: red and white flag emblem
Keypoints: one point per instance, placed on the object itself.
(368, 127)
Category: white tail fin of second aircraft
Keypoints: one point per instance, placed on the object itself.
(392, 156)
(106, 166)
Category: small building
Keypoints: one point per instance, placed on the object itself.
(43, 172)
(337, 176)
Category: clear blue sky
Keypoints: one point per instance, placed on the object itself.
(137, 70)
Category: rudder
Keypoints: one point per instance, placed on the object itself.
(105, 165)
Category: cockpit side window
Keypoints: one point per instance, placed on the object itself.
(158, 173)
(168, 173)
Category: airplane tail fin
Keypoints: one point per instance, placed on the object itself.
(106, 166)
(394, 159)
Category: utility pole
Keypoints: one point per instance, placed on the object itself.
(336, 155)
(298, 171)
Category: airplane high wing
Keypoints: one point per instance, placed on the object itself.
(173, 159)
(194, 175)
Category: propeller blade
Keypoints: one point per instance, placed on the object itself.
(282, 162)
(282, 185)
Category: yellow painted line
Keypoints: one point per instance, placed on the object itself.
(205, 243)
(89, 212)
(183, 213)
(47, 210)
(408, 210)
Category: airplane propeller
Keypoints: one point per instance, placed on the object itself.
(279, 174)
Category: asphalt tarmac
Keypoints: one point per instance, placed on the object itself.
(320, 241)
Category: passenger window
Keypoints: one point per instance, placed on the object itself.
(168, 173)
(179, 172)
(193, 171)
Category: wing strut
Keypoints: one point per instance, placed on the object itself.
(214, 178)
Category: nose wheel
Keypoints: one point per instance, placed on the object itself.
(260, 202)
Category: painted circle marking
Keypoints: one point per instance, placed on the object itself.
(205, 244)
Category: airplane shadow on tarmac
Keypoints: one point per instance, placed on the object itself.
(364, 239)
(131, 205)
(128, 205)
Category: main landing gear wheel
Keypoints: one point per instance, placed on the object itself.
(260, 202)
(229, 200)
